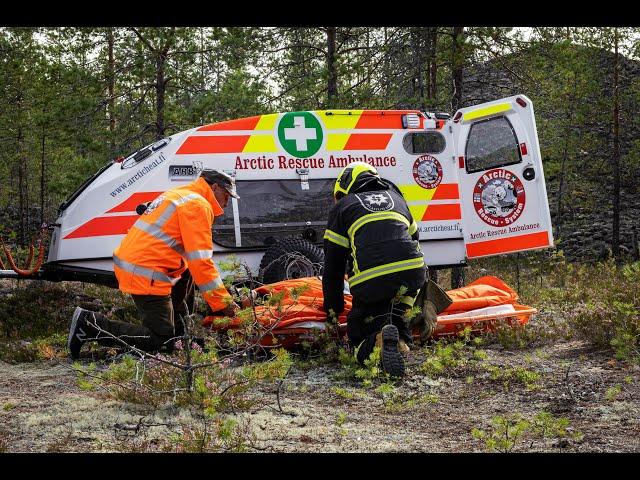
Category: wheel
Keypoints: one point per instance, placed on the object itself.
(291, 258)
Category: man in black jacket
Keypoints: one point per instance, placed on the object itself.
(371, 235)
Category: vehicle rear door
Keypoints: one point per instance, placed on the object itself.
(504, 197)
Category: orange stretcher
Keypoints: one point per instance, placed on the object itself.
(292, 321)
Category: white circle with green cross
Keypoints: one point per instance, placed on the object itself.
(300, 134)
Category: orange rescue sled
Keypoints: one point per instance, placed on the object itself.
(479, 305)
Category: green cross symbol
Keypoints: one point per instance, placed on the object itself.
(300, 134)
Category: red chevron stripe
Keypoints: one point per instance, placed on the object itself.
(98, 227)
(444, 211)
(240, 124)
(447, 191)
(510, 244)
(368, 141)
(130, 204)
(217, 144)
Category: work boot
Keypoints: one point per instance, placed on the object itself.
(79, 331)
(402, 345)
(391, 359)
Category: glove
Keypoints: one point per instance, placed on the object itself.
(230, 310)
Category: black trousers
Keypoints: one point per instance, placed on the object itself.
(366, 319)
(159, 315)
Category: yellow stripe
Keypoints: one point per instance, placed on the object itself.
(334, 119)
(417, 211)
(387, 269)
(260, 143)
(337, 141)
(416, 192)
(485, 112)
(413, 228)
(374, 217)
(336, 238)
(267, 122)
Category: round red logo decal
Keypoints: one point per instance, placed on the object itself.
(427, 171)
(499, 197)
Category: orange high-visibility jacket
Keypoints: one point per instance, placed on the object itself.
(173, 233)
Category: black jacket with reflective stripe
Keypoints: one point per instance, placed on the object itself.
(372, 236)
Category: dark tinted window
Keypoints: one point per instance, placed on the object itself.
(417, 143)
(275, 208)
(491, 143)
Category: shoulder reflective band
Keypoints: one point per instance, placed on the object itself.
(144, 272)
(335, 238)
(386, 270)
(485, 112)
(374, 217)
(156, 232)
(413, 228)
(212, 285)
(199, 254)
(171, 208)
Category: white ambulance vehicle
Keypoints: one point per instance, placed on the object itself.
(474, 183)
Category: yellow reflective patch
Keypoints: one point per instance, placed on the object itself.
(417, 211)
(485, 112)
(267, 122)
(416, 192)
(260, 143)
(337, 141)
(335, 119)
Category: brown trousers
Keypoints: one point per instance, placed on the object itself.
(160, 316)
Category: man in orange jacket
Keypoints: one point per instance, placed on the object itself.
(173, 234)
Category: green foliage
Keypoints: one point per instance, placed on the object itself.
(216, 434)
(512, 432)
(527, 378)
(453, 356)
(342, 392)
(613, 393)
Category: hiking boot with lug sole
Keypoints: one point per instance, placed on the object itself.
(391, 359)
(78, 331)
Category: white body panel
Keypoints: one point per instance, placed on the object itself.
(258, 151)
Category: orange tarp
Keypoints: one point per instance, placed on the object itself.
(282, 320)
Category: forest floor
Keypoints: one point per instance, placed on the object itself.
(482, 392)
(43, 410)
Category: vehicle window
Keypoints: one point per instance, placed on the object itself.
(275, 209)
(417, 143)
(491, 143)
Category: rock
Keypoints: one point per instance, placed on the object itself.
(562, 443)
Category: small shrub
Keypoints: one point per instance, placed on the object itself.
(341, 392)
(515, 431)
(453, 356)
(216, 434)
(528, 378)
(613, 393)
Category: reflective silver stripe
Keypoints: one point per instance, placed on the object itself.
(413, 228)
(171, 208)
(156, 232)
(199, 254)
(336, 238)
(373, 217)
(144, 272)
(385, 270)
(212, 285)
